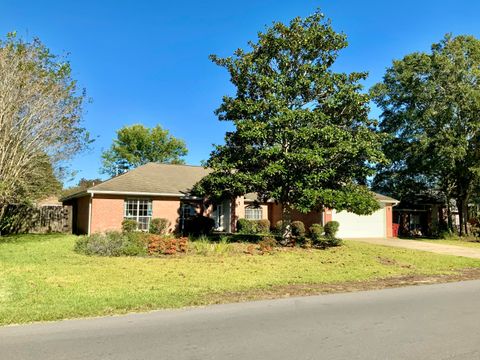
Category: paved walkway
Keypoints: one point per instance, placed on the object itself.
(426, 246)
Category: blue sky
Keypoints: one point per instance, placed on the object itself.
(147, 61)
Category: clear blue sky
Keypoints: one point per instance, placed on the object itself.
(147, 61)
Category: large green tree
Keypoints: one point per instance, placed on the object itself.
(430, 106)
(40, 120)
(301, 134)
(136, 145)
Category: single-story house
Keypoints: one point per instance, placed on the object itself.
(163, 191)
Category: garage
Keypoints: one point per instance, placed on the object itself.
(361, 226)
(375, 225)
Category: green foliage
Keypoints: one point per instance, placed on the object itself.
(316, 233)
(204, 246)
(331, 229)
(137, 145)
(112, 244)
(83, 184)
(430, 104)
(129, 225)
(159, 226)
(298, 228)
(246, 226)
(262, 226)
(301, 131)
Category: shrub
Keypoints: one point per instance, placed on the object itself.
(262, 226)
(203, 246)
(129, 225)
(298, 228)
(267, 245)
(331, 229)
(164, 245)
(316, 231)
(199, 225)
(245, 226)
(159, 226)
(112, 244)
(278, 226)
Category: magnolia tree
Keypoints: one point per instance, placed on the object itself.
(40, 120)
(301, 134)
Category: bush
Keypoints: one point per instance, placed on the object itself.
(279, 226)
(112, 244)
(298, 228)
(246, 226)
(165, 245)
(199, 225)
(203, 246)
(267, 245)
(331, 229)
(262, 226)
(159, 226)
(316, 231)
(129, 225)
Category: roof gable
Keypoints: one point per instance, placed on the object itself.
(154, 178)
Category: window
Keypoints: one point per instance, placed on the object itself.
(253, 212)
(139, 210)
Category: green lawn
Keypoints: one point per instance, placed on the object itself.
(41, 278)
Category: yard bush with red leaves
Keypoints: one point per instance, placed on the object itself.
(161, 245)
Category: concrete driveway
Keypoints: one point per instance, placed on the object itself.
(431, 322)
(425, 246)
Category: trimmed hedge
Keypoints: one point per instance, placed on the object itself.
(246, 226)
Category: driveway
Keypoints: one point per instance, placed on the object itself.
(425, 246)
(423, 322)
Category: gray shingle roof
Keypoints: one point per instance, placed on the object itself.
(155, 178)
(165, 179)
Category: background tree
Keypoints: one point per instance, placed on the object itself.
(40, 120)
(137, 145)
(83, 184)
(431, 109)
(302, 134)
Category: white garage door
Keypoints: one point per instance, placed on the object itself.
(361, 226)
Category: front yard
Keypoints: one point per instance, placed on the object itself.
(41, 278)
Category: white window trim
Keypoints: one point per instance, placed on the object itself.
(138, 216)
(256, 211)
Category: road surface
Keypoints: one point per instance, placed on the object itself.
(424, 322)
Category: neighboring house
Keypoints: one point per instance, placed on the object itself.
(163, 191)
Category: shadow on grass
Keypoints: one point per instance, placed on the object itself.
(26, 238)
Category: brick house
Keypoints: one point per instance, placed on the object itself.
(162, 191)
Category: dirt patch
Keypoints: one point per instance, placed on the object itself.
(350, 286)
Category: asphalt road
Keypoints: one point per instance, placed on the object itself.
(424, 322)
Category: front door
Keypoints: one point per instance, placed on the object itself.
(219, 218)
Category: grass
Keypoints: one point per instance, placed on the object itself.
(41, 278)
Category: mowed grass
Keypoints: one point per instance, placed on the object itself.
(41, 278)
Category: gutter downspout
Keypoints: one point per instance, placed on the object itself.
(89, 214)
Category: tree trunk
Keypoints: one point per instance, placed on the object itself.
(460, 209)
(286, 222)
(233, 214)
